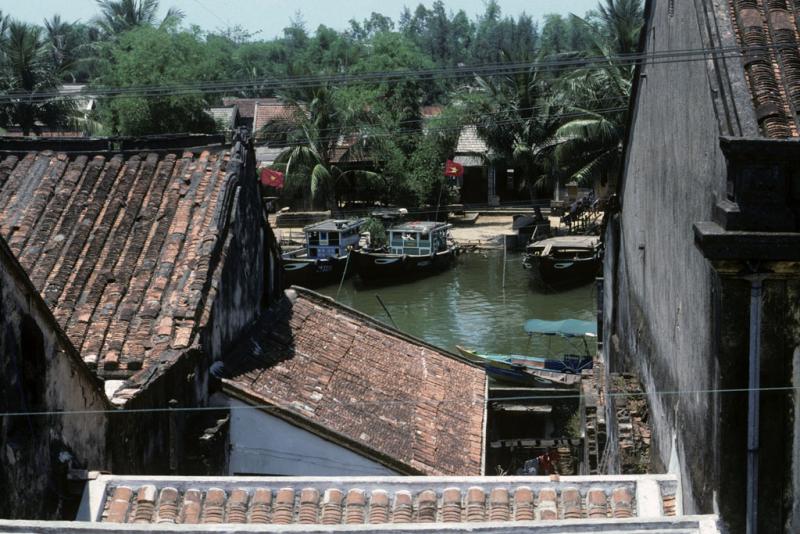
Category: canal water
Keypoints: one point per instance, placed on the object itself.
(467, 305)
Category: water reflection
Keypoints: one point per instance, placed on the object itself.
(468, 306)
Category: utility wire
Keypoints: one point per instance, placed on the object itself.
(382, 402)
(494, 69)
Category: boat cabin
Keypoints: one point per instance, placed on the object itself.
(331, 238)
(418, 238)
(565, 247)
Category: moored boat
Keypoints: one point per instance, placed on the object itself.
(564, 261)
(560, 368)
(325, 258)
(414, 250)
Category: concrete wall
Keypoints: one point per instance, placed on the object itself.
(262, 444)
(41, 372)
(659, 286)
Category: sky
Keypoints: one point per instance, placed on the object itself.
(269, 17)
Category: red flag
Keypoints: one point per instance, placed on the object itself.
(451, 168)
(272, 178)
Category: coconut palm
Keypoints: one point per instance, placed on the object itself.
(25, 69)
(313, 135)
(590, 145)
(518, 116)
(117, 16)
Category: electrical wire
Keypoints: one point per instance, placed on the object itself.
(442, 73)
(382, 402)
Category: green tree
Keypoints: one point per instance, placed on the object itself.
(118, 16)
(26, 68)
(313, 137)
(156, 57)
(590, 145)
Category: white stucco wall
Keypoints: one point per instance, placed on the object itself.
(266, 445)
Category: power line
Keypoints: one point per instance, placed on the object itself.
(383, 402)
(442, 73)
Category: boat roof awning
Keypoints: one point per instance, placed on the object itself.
(566, 328)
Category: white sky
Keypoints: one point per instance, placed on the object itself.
(269, 17)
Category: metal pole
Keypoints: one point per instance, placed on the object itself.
(754, 383)
(344, 274)
(505, 253)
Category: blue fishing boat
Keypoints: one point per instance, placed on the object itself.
(564, 368)
(325, 258)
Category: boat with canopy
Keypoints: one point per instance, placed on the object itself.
(555, 367)
(325, 257)
(413, 250)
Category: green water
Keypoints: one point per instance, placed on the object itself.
(468, 306)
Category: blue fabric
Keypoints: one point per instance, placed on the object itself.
(567, 327)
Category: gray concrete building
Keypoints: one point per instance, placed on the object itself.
(701, 279)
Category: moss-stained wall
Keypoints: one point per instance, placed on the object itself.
(41, 372)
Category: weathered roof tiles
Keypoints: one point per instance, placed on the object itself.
(119, 246)
(366, 386)
(379, 500)
(767, 31)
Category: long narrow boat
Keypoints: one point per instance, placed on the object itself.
(414, 250)
(528, 369)
(324, 259)
(564, 261)
(563, 369)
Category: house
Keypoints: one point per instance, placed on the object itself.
(255, 113)
(152, 255)
(478, 185)
(317, 388)
(40, 371)
(379, 504)
(226, 117)
(701, 278)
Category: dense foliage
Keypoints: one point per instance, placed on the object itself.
(500, 73)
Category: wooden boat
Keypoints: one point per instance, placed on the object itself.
(325, 258)
(414, 250)
(564, 261)
(562, 369)
(530, 369)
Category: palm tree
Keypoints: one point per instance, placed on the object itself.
(25, 69)
(313, 136)
(518, 116)
(590, 146)
(117, 16)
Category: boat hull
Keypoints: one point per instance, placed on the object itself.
(562, 273)
(374, 266)
(311, 273)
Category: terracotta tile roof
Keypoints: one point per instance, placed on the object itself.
(378, 500)
(768, 32)
(120, 246)
(364, 385)
(270, 110)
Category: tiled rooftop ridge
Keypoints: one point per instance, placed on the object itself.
(767, 30)
(384, 500)
(118, 245)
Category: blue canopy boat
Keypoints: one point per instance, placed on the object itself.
(520, 369)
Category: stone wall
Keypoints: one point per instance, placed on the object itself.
(40, 371)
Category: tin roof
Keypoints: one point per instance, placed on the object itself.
(335, 225)
(418, 226)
